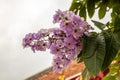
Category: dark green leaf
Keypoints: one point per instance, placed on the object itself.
(102, 10)
(116, 8)
(91, 7)
(99, 24)
(82, 12)
(80, 57)
(110, 3)
(94, 52)
(117, 35)
(117, 22)
(117, 29)
(74, 5)
(112, 48)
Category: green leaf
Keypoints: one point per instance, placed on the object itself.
(112, 48)
(102, 10)
(117, 29)
(114, 69)
(82, 12)
(80, 57)
(85, 74)
(110, 3)
(118, 76)
(100, 25)
(74, 5)
(116, 8)
(91, 8)
(109, 77)
(94, 52)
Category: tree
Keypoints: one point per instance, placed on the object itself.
(100, 50)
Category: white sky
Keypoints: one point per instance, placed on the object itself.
(18, 17)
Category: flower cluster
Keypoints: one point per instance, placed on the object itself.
(64, 42)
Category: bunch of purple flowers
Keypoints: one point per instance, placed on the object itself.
(64, 42)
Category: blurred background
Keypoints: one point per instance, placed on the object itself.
(17, 18)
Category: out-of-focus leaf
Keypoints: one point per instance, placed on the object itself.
(102, 10)
(85, 74)
(90, 7)
(82, 12)
(74, 5)
(116, 8)
(117, 29)
(110, 3)
(100, 25)
(112, 48)
(114, 69)
(94, 52)
(109, 77)
(80, 57)
(118, 76)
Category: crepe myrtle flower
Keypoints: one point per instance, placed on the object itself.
(67, 27)
(40, 45)
(57, 64)
(65, 61)
(62, 16)
(70, 54)
(70, 42)
(55, 50)
(58, 16)
(64, 42)
(60, 43)
(27, 41)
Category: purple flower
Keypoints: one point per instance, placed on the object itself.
(55, 50)
(67, 27)
(64, 42)
(27, 41)
(77, 20)
(38, 35)
(57, 64)
(44, 32)
(70, 42)
(77, 32)
(70, 53)
(40, 45)
(58, 16)
(59, 43)
(58, 33)
(67, 16)
(78, 47)
(65, 61)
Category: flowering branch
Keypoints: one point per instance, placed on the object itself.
(64, 42)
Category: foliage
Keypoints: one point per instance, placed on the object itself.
(100, 49)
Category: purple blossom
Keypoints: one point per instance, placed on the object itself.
(77, 20)
(64, 42)
(58, 16)
(38, 35)
(57, 64)
(77, 32)
(67, 27)
(78, 47)
(40, 45)
(70, 42)
(70, 53)
(67, 16)
(55, 50)
(65, 61)
(27, 41)
(60, 44)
